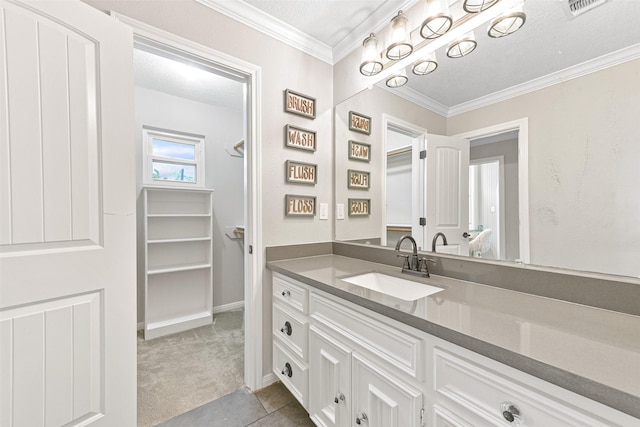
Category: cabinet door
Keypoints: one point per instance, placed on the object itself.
(380, 400)
(330, 376)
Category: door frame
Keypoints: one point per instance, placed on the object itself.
(522, 126)
(501, 198)
(419, 134)
(160, 39)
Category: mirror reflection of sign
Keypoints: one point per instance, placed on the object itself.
(358, 179)
(359, 207)
(359, 123)
(304, 173)
(300, 205)
(303, 139)
(299, 104)
(359, 151)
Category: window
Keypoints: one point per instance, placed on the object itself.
(173, 159)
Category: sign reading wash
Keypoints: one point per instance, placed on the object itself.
(302, 139)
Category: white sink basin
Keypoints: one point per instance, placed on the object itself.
(393, 286)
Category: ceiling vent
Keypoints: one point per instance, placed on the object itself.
(578, 7)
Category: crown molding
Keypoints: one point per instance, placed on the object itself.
(416, 97)
(609, 60)
(267, 24)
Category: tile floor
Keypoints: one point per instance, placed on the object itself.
(272, 406)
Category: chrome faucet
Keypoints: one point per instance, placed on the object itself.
(416, 266)
(435, 239)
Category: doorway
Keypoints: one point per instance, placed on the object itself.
(180, 100)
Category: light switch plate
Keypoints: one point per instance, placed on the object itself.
(324, 211)
(340, 211)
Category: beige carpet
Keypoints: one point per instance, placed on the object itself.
(182, 371)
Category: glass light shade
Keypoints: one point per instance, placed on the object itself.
(438, 19)
(399, 45)
(425, 65)
(371, 60)
(462, 46)
(397, 80)
(507, 23)
(475, 6)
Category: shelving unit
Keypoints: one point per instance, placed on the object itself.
(178, 259)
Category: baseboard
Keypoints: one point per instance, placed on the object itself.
(228, 307)
(217, 309)
(269, 379)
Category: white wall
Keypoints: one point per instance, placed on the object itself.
(584, 149)
(220, 127)
(283, 67)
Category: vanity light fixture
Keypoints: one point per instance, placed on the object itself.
(398, 79)
(399, 46)
(462, 46)
(371, 59)
(438, 21)
(425, 65)
(507, 23)
(475, 6)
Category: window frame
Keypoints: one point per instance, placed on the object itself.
(197, 141)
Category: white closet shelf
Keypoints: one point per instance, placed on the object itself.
(174, 324)
(182, 239)
(173, 269)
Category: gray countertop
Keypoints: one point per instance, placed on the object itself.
(591, 351)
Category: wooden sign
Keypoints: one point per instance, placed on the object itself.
(300, 104)
(296, 137)
(359, 123)
(300, 205)
(359, 207)
(301, 173)
(359, 151)
(358, 180)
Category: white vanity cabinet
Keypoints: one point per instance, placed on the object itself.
(362, 371)
(290, 328)
(472, 390)
(360, 368)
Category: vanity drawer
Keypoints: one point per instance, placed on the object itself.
(290, 292)
(397, 346)
(483, 393)
(292, 329)
(293, 373)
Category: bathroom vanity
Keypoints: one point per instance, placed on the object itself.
(467, 355)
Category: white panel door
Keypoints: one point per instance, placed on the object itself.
(67, 217)
(330, 376)
(448, 192)
(379, 400)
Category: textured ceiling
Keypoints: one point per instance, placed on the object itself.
(176, 78)
(548, 42)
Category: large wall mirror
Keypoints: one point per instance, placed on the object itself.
(550, 115)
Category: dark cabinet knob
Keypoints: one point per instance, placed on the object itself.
(287, 370)
(339, 398)
(286, 293)
(510, 412)
(466, 235)
(287, 329)
(362, 417)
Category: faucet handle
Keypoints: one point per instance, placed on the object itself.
(406, 260)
